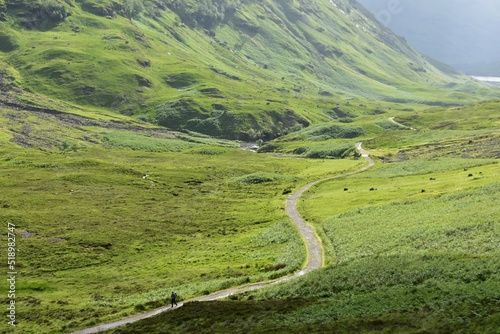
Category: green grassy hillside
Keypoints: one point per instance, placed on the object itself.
(239, 69)
(411, 246)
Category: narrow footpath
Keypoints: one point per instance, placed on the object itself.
(314, 260)
(391, 119)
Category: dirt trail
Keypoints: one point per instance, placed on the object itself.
(391, 119)
(314, 261)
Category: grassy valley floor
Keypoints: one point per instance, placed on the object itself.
(109, 221)
(417, 263)
(412, 245)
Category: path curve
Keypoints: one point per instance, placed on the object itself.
(314, 259)
(391, 119)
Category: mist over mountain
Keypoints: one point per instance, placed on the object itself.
(460, 33)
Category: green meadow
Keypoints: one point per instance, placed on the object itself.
(108, 228)
(118, 218)
(412, 245)
(119, 213)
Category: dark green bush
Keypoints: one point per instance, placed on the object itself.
(132, 8)
(7, 43)
(260, 177)
(209, 126)
(181, 80)
(169, 117)
(325, 132)
(38, 14)
(177, 114)
(100, 8)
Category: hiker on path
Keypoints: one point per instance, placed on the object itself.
(172, 299)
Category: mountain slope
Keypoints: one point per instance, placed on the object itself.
(243, 70)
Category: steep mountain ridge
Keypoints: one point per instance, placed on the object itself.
(236, 69)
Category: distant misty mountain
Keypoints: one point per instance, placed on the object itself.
(464, 34)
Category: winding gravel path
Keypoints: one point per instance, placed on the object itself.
(314, 260)
(391, 119)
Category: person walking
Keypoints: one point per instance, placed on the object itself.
(173, 297)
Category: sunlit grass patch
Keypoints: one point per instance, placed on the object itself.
(463, 222)
(427, 167)
(385, 184)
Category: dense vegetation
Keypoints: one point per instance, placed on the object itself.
(135, 212)
(206, 13)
